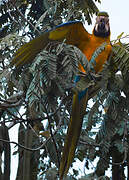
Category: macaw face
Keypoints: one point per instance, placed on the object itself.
(102, 27)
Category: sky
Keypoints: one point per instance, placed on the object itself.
(118, 11)
(119, 16)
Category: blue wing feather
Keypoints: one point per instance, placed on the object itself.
(67, 23)
(63, 24)
(81, 94)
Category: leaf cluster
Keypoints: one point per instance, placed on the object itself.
(44, 89)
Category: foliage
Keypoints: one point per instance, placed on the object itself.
(38, 96)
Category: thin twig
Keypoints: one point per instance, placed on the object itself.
(5, 105)
(26, 148)
(124, 37)
(53, 139)
(50, 127)
(89, 144)
(33, 131)
(25, 19)
(38, 148)
(10, 14)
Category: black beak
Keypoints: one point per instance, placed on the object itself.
(101, 26)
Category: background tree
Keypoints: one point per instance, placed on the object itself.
(38, 96)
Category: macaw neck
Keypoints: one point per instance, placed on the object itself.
(101, 34)
(100, 39)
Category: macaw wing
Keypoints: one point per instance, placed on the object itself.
(74, 33)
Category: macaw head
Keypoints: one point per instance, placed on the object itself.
(102, 27)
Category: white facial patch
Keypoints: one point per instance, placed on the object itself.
(98, 21)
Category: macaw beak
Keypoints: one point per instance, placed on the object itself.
(101, 26)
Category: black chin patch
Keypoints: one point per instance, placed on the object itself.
(101, 33)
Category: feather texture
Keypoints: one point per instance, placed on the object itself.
(74, 34)
(74, 129)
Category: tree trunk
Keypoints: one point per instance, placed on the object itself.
(117, 170)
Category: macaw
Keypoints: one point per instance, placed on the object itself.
(75, 34)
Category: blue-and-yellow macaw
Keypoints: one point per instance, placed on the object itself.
(75, 34)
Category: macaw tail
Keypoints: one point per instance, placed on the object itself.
(73, 133)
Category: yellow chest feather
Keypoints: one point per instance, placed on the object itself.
(88, 48)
